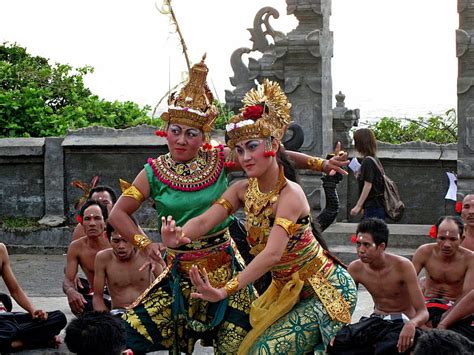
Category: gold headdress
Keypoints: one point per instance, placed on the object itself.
(193, 105)
(266, 113)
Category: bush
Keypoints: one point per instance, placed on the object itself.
(439, 129)
(39, 100)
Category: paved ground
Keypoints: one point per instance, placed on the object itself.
(41, 277)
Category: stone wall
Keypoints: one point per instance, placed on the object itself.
(36, 173)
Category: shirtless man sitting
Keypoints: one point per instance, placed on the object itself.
(399, 308)
(82, 252)
(467, 215)
(105, 195)
(449, 268)
(120, 268)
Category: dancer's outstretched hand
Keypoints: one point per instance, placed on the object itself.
(172, 235)
(336, 163)
(155, 258)
(205, 290)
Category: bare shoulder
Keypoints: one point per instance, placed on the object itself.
(104, 255)
(400, 262)
(76, 245)
(3, 254)
(424, 250)
(356, 268)
(293, 193)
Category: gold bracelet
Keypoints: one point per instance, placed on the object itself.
(232, 286)
(226, 204)
(134, 193)
(315, 163)
(141, 241)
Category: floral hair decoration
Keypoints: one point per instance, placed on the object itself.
(433, 232)
(266, 114)
(458, 207)
(353, 238)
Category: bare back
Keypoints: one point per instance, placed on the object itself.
(123, 278)
(390, 285)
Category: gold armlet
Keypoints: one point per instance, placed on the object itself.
(226, 204)
(289, 226)
(232, 286)
(315, 163)
(141, 241)
(134, 193)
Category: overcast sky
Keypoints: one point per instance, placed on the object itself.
(391, 57)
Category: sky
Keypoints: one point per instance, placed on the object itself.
(391, 57)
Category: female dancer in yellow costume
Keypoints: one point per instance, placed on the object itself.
(311, 295)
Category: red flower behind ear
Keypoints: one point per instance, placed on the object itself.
(79, 219)
(458, 207)
(353, 238)
(433, 232)
(253, 112)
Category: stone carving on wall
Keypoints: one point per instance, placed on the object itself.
(299, 61)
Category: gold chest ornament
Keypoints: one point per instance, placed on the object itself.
(258, 208)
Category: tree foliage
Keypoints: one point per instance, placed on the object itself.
(439, 129)
(38, 99)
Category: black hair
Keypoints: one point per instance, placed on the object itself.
(104, 188)
(441, 342)
(377, 228)
(95, 333)
(455, 219)
(109, 229)
(105, 213)
(288, 167)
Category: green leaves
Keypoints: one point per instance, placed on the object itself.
(39, 100)
(441, 129)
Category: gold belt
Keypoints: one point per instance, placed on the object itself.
(316, 273)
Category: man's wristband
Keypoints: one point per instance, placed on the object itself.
(141, 241)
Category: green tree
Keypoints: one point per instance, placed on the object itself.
(38, 99)
(439, 129)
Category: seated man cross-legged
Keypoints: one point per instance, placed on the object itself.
(35, 329)
(399, 308)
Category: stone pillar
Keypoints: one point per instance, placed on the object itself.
(343, 120)
(300, 61)
(53, 183)
(465, 111)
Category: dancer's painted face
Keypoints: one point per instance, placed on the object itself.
(251, 156)
(184, 142)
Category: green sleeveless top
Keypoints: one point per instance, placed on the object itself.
(186, 190)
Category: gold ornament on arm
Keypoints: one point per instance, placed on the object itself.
(232, 286)
(141, 241)
(315, 164)
(289, 226)
(226, 204)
